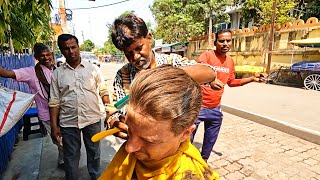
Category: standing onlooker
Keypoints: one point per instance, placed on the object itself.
(38, 78)
(75, 99)
(130, 35)
(211, 112)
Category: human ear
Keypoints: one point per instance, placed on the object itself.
(186, 134)
(149, 36)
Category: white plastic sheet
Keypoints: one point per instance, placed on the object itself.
(13, 105)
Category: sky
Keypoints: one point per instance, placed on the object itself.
(91, 23)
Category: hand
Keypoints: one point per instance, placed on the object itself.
(216, 85)
(105, 123)
(120, 124)
(56, 135)
(261, 77)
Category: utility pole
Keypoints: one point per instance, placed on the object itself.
(210, 32)
(274, 6)
(62, 11)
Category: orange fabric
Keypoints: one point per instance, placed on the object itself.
(225, 73)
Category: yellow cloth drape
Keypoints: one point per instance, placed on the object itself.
(187, 158)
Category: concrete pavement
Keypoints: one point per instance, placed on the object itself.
(244, 150)
(291, 110)
(248, 150)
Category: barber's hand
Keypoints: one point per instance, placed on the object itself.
(261, 77)
(56, 135)
(105, 123)
(120, 124)
(216, 85)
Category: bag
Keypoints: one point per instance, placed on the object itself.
(13, 105)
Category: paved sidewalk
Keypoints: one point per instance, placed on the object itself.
(248, 150)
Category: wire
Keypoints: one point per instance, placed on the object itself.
(100, 6)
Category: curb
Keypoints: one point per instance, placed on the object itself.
(303, 133)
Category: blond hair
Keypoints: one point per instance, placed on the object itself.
(167, 93)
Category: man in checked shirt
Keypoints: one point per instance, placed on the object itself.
(130, 35)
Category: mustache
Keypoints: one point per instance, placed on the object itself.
(140, 60)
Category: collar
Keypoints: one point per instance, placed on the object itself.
(82, 63)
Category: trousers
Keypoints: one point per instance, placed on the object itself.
(71, 139)
(212, 118)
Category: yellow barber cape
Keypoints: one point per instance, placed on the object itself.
(176, 167)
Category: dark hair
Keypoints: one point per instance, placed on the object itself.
(220, 32)
(38, 48)
(126, 29)
(65, 37)
(166, 93)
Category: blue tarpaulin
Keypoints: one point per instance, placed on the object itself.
(7, 141)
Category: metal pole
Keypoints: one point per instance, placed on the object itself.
(210, 31)
(274, 6)
(10, 41)
(63, 17)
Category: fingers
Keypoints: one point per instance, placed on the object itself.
(220, 84)
(122, 126)
(121, 135)
(261, 77)
(55, 138)
(216, 85)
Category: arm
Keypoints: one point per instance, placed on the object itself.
(201, 73)
(261, 77)
(7, 73)
(103, 88)
(54, 107)
(55, 131)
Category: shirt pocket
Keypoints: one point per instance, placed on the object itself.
(89, 82)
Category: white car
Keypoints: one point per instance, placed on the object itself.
(92, 58)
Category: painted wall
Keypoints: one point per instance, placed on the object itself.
(250, 46)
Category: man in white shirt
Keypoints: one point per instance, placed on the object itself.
(76, 92)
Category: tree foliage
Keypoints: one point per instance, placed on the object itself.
(308, 8)
(29, 21)
(177, 20)
(109, 48)
(260, 11)
(87, 45)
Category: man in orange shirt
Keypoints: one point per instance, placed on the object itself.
(210, 111)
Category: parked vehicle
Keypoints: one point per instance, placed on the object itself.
(90, 57)
(312, 80)
(307, 72)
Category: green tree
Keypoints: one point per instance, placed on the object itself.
(87, 45)
(109, 48)
(260, 11)
(178, 20)
(29, 21)
(308, 8)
